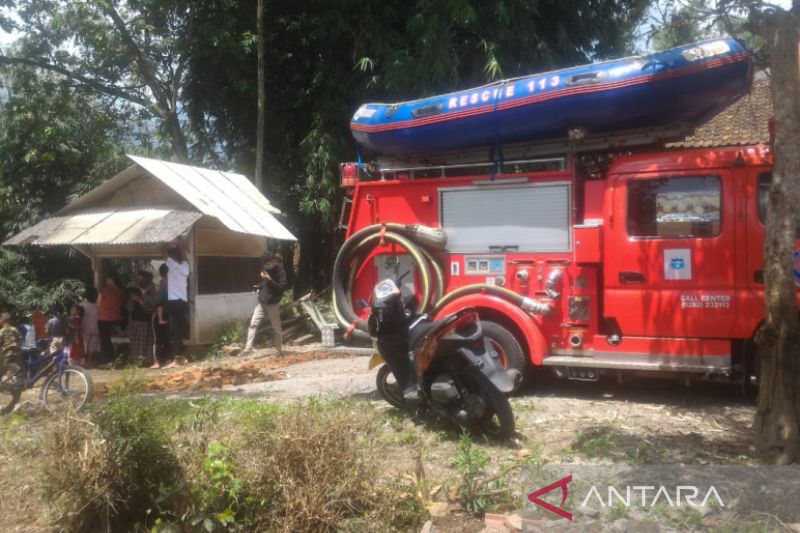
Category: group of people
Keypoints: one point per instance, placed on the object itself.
(154, 317)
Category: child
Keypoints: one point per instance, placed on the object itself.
(91, 339)
(77, 353)
(55, 329)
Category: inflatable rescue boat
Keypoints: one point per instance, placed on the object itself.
(685, 85)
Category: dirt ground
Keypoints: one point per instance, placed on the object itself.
(645, 421)
(641, 421)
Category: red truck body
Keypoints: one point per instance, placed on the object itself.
(660, 255)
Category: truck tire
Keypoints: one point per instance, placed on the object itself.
(509, 349)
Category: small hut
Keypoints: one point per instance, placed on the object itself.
(224, 221)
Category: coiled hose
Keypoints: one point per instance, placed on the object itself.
(419, 242)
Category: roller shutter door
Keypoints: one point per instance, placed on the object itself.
(528, 218)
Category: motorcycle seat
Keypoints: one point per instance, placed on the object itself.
(423, 327)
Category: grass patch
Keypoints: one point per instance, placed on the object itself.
(596, 443)
(477, 491)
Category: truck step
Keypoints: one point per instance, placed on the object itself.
(669, 363)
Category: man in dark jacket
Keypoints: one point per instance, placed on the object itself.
(270, 289)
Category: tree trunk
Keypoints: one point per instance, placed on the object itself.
(179, 145)
(777, 422)
(262, 97)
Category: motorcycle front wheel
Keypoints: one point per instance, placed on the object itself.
(497, 418)
(388, 387)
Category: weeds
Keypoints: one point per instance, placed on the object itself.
(213, 465)
(309, 471)
(219, 491)
(617, 512)
(477, 492)
(596, 443)
(112, 472)
(229, 332)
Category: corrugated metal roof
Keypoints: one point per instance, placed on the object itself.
(109, 226)
(230, 197)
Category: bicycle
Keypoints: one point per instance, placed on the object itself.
(65, 385)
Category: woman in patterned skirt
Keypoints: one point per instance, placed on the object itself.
(140, 332)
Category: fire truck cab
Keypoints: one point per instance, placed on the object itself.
(649, 262)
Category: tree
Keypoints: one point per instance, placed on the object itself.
(678, 25)
(262, 96)
(130, 51)
(56, 141)
(326, 58)
(777, 423)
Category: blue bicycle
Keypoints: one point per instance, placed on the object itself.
(65, 386)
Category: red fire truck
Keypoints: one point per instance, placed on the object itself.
(642, 261)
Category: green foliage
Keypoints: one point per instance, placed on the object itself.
(229, 332)
(120, 70)
(598, 443)
(56, 142)
(218, 492)
(22, 292)
(678, 23)
(326, 58)
(130, 54)
(477, 492)
(681, 24)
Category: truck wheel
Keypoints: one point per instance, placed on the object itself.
(509, 350)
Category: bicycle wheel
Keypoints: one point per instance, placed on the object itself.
(73, 389)
(11, 388)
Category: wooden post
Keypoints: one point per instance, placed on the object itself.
(192, 289)
(96, 262)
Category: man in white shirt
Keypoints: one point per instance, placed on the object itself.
(177, 301)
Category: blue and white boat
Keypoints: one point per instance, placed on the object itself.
(685, 86)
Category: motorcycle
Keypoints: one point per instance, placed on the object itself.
(458, 374)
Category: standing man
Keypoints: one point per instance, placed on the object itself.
(177, 301)
(270, 289)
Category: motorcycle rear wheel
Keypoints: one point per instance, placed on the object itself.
(497, 421)
(388, 387)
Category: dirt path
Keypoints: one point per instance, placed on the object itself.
(642, 421)
(336, 377)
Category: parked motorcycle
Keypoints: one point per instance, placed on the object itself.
(454, 372)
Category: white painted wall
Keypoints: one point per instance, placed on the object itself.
(212, 310)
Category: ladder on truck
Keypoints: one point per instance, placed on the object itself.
(524, 156)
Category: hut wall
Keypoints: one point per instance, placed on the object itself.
(214, 310)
